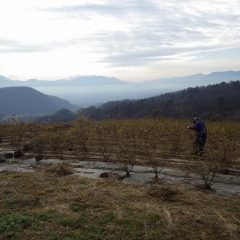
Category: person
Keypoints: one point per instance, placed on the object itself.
(201, 134)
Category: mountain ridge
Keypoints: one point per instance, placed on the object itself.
(97, 80)
(75, 81)
(26, 100)
(217, 101)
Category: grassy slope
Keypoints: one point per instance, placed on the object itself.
(44, 206)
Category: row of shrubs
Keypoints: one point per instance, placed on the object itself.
(147, 141)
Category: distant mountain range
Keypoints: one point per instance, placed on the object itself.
(75, 81)
(25, 100)
(199, 79)
(217, 101)
(85, 91)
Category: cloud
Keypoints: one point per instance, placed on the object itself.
(13, 46)
(113, 8)
(159, 30)
(161, 54)
(110, 34)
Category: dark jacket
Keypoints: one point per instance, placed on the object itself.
(199, 127)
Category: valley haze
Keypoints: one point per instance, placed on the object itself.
(84, 91)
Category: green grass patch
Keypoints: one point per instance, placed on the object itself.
(14, 222)
(47, 215)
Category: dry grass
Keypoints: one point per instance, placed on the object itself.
(61, 169)
(43, 206)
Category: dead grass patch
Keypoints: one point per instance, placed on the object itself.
(61, 169)
(167, 192)
(78, 208)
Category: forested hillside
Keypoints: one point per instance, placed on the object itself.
(218, 101)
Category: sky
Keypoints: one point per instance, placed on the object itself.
(133, 40)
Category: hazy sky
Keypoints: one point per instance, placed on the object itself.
(129, 39)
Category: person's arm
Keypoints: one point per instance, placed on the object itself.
(194, 127)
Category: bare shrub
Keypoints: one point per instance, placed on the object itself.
(127, 143)
(150, 144)
(40, 144)
(57, 142)
(226, 154)
(81, 133)
(27, 147)
(205, 166)
(104, 137)
(17, 133)
(61, 169)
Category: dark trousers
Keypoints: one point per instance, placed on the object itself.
(199, 142)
